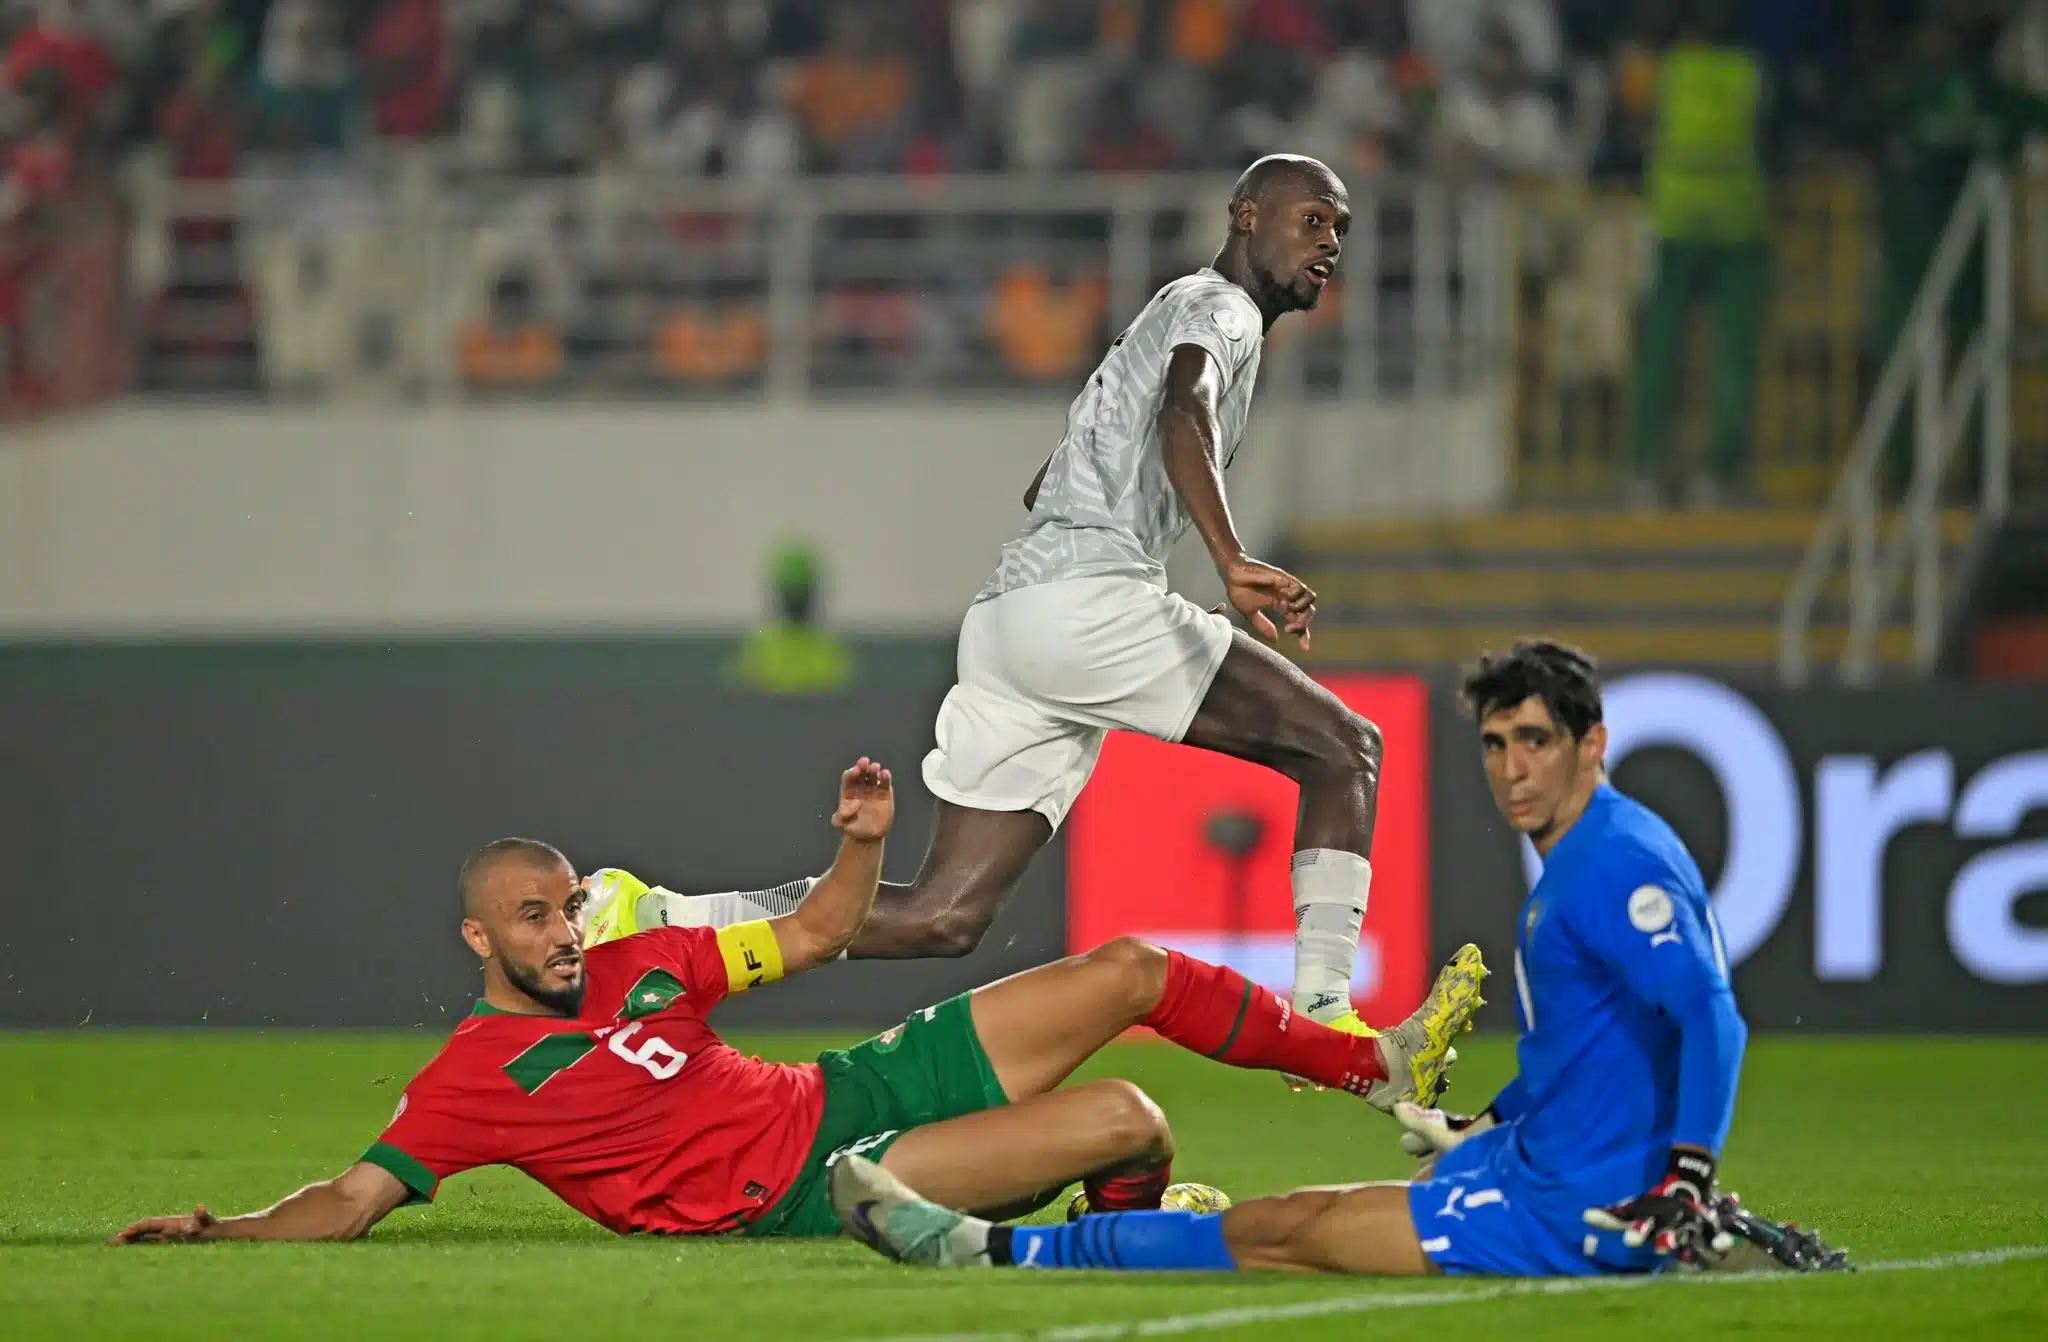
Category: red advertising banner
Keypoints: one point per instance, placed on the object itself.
(1142, 858)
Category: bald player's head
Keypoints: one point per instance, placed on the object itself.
(1296, 173)
(497, 855)
(1288, 218)
(522, 913)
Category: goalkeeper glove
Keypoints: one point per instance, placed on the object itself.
(1675, 1217)
(1431, 1132)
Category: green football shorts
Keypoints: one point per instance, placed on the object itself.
(926, 1070)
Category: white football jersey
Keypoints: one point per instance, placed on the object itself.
(1106, 506)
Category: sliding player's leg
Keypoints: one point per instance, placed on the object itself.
(1108, 1133)
(1265, 709)
(1035, 1028)
(922, 1081)
(1365, 1229)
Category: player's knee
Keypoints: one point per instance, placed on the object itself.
(1139, 968)
(1355, 745)
(1131, 1123)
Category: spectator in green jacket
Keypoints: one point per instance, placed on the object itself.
(1711, 216)
(793, 655)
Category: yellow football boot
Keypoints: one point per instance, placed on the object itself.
(1177, 1198)
(1418, 1052)
(612, 908)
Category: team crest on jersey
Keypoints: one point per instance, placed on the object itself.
(1529, 921)
(1229, 321)
(655, 991)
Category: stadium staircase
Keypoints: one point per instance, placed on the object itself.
(1701, 589)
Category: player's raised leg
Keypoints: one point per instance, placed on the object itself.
(1263, 708)
(1033, 1029)
(970, 870)
(1036, 1027)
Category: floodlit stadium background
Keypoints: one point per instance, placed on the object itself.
(418, 415)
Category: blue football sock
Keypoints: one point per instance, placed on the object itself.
(1120, 1241)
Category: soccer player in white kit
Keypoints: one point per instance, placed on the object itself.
(1076, 633)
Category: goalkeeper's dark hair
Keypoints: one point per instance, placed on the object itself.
(1564, 678)
(478, 866)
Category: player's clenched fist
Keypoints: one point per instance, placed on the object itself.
(867, 802)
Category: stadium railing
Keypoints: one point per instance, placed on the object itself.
(1580, 261)
(418, 284)
(1941, 403)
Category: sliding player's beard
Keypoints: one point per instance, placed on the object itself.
(529, 980)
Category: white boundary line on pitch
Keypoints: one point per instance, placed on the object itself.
(1173, 1324)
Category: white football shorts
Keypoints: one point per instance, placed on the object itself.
(1046, 671)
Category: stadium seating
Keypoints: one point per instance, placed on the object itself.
(1676, 589)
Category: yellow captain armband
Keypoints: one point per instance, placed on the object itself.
(752, 956)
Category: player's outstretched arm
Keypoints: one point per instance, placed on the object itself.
(825, 924)
(341, 1208)
(1188, 442)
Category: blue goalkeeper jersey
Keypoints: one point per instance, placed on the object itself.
(1631, 1041)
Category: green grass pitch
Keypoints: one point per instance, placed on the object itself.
(1901, 1150)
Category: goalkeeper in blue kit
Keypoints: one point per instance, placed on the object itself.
(1599, 1157)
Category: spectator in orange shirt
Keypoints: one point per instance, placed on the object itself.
(855, 91)
(1201, 32)
(512, 346)
(1046, 330)
(708, 345)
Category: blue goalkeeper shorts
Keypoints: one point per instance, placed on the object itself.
(1479, 1213)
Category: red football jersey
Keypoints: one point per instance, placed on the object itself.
(635, 1113)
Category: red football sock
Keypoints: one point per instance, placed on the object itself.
(1138, 1192)
(1219, 1013)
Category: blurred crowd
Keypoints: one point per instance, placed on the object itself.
(759, 88)
(525, 92)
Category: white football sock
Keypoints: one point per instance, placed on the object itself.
(1330, 892)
